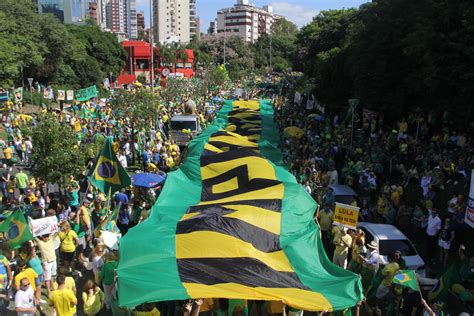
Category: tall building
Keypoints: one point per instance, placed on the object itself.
(121, 17)
(67, 11)
(174, 20)
(93, 13)
(246, 20)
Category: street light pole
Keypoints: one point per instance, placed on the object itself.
(225, 34)
(270, 51)
(152, 70)
(353, 104)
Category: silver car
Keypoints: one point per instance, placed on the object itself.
(389, 239)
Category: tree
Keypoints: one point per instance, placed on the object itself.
(55, 151)
(140, 107)
(52, 52)
(283, 47)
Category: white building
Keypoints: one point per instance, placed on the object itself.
(118, 17)
(174, 20)
(246, 20)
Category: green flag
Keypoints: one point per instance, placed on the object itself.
(439, 293)
(107, 173)
(232, 222)
(406, 278)
(16, 229)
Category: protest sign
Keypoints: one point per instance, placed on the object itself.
(70, 95)
(61, 95)
(346, 215)
(43, 226)
(4, 96)
(86, 93)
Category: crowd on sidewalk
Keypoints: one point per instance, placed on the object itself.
(414, 175)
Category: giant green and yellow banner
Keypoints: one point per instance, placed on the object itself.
(232, 222)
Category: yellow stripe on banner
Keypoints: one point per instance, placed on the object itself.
(212, 148)
(258, 168)
(251, 104)
(236, 141)
(257, 216)
(296, 298)
(189, 215)
(207, 244)
(226, 186)
(273, 192)
(246, 114)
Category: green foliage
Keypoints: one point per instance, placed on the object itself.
(51, 52)
(393, 56)
(141, 106)
(55, 152)
(217, 76)
(141, 79)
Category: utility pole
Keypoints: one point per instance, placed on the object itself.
(225, 34)
(271, 51)
(152, 70)
(353, 103)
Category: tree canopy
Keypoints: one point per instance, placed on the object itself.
(393, 55)
(52, 52)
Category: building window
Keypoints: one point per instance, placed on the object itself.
(141, 64)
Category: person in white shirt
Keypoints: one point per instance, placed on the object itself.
(122, 159)
(25, 299)
(29, 149)
(432, 229)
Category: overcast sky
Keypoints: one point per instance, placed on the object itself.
(299, 12)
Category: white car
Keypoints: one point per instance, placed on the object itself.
(389, 239)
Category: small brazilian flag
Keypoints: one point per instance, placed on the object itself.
(15, 229)
(406, 278)
(107, 174)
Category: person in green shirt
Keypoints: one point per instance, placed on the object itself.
(107, 275)
(21, 182)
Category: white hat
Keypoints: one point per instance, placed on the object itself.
(89, 196)
(372, 244)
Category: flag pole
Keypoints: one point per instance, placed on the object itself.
(419, 287)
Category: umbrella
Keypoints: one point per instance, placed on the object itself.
(147, 180)
(293, 131)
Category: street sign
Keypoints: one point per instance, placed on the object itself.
(30, 81)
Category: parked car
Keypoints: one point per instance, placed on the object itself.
(344, 194)
(389, 239)
(179, 124)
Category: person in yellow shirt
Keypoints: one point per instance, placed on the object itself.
(325, 219)
(8, 153)
(343, 243)
(63, 299)
(151, 167)
(358, 250)
(69, 241)
(169, 162)
(147, 309)
(31, 275)
(93, 298)
(388, 273)
(395, 196)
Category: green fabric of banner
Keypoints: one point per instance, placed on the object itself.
(153, 268)
(86, 93)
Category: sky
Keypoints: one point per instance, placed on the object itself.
(299, 12)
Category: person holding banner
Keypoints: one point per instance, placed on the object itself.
(46, 246)
(342, 242)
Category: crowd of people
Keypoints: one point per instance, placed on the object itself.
(41, 276)
(414, 175)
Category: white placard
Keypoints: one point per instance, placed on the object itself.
(43, 226)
